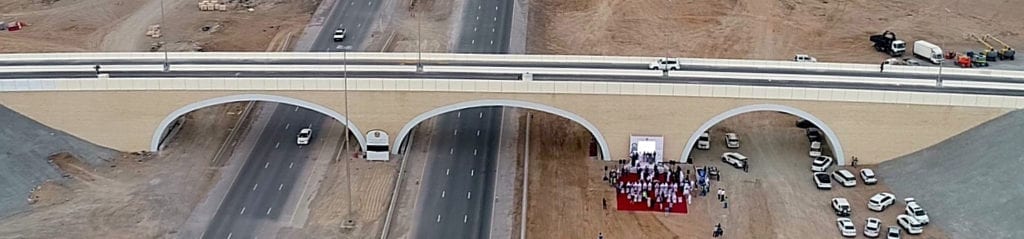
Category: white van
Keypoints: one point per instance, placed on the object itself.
(928, 51)
(844, 177)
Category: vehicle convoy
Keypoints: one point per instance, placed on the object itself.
(887, 42)
(1007, 53)
(928, 51)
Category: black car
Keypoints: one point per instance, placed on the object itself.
(813, 134)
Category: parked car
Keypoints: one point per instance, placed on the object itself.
(804, 58)
(846, 227)
(813, 134)
(735, 159)
(732, 141)
(868, 176)
(815, 149)
(804, 124)
(665, 64)
(880, 201)
(841, 207)
(872, 226)
(844, 177)
(894, 233)
(821, 180)
(304, 135)
(704, 141)
(912, 225)
(821, 163)
(914, 210)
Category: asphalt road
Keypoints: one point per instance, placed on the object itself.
(486, 25)
(356, 17)
(458, 187)
(268, 176)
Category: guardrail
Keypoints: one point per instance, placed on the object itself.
(411, 57)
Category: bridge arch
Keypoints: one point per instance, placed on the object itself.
(830, 135)
(166, 122)
(404, 132)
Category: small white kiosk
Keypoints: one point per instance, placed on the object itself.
(377, 146)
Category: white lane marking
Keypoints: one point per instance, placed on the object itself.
(456, 132)
(478, 7)
(370, 3)
(474, 29)
(460, 114)
(277, 145)
(495, 19)
(492, 29)
(296, 109)
(243, 211)
(266, 165)
(478, 18)
(474, 151)
(229, 235)
(254, 186)
(472, 42)
(446, 171)
(438, 217)
(472, 172)
(452, 151)
(495, 7)
(442, 193)
(310, 125)
(280, 187)
(469, 195)
(353, 3)
(287, 125)
(492, 42)
(481, 115)
(465, 217)
(291, 164)
(359, 25)
(478, 132)
(268, 210)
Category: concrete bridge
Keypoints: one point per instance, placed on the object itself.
(132, 114)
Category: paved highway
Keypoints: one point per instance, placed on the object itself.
(459, 182)
(356, 16)
(485, 28)
(268, 176)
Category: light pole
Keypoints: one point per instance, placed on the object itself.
(348, 166)
(167, 66)
(938, 79)
(419, 50)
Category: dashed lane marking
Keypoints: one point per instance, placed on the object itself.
(452, 151)
(478, 132)
(243, 211)
(291, 164)
(442, 193)
(277, 145)
(472, 172)
(438, 217)
(481, 115)
(254, 186)
(456, 132)
(268, 210)
(266, 165)
(280, 187)
(459, 114)
(296, 109)
(474, 151)
(229, 235)
(465, 217)
(469, 195)
(446, 171)
(287, 125)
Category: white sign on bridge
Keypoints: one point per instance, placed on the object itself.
(377, 145)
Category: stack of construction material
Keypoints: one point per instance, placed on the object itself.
(153, 31)
(212, 5)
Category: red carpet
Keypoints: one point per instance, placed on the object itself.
(623, 203)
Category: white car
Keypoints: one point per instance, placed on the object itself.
(821, 180)
(841, 207)
(894, 233)
(872, 226)
(815, 149)
(732, 141)
(915, 210)
(821, 163)
(704, 142)
(868, 176)
(844, 177)
(339, 34)
(846, 227)
(879, 202)
(912, 225)
(804, 58)
(304, 135)
(735, 159)
(665, 64)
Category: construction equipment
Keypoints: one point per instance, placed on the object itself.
(1007, 53)
(977, 59)
(963, 61)
(887, 42)
(990, 53)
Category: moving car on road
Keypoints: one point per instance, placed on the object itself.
(841, 206)
(844, 177)
(704, 141)
(894, 233)
(735, 159)
(821, 163)
(815, 149)
(846, 227)
(914, 210)
(732, 141)
(822, 181)
(868, 176)
(912, 225)
(881, 201)
(804, 58)
(665, 64)
(339, 34)
(872, 226)
(304, 135)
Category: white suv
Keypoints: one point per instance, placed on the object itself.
(815, 149)
(844, 177)
(821, 163)
(914, 210)
(881, 201)
(841, 207)
(304, 135)
(735, 159)
(704, 142)
(909, 223)
(665, 64)
(732, 141)
(846, 227)
(868, 176)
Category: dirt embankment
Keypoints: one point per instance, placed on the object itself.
(834, 31)
(121, 25)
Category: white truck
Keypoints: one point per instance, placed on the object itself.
(928, 51)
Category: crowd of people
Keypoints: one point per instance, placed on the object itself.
(659, 186)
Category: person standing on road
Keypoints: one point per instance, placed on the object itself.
(725, 201)
(97, 67)
(604, 203)
(600, 235)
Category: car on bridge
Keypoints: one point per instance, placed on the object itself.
(669, 64)
(735, 159)
(304, 135)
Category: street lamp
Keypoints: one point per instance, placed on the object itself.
(419, 50)
(167, 66)
(348, 166)
(938, 79)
